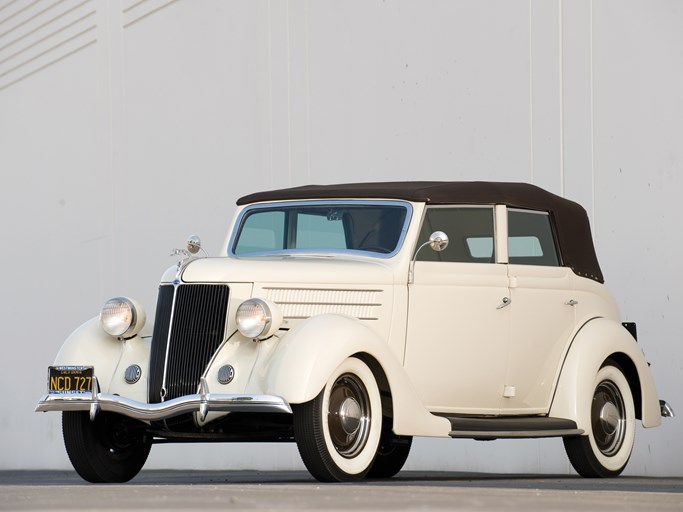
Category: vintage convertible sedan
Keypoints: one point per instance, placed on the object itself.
(350, 318)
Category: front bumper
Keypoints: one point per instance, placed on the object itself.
(202, 403)
(666, 410)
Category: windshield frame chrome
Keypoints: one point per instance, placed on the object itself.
(319, 252)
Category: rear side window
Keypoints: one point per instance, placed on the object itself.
(469, 230)
(531, 240)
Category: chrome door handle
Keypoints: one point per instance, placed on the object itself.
(571, 302)
(506, 302)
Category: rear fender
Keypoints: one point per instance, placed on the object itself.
(306, 357)
(598, 340)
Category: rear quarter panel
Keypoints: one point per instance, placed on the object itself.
(598, 340)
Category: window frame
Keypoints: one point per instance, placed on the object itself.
(553, 235)
(496, 219)
(239, 224)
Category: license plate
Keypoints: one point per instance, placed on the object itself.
(69, 379)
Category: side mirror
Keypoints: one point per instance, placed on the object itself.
(438, 241)
(194, 244)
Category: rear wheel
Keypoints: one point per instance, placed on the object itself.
(605, 451)
(338, 432)
(111, 449)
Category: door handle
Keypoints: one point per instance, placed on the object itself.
(506, 302)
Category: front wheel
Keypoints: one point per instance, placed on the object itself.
(605, 451)
(111, 449)
(392, 454)
(338, 432)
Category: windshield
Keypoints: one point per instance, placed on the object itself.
(331, 226)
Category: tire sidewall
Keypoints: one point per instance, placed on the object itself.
(362, 462)
(92, 455)
(616, 462)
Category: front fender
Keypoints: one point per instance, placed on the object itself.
(306, 357)
(597, 340)
(89, 345)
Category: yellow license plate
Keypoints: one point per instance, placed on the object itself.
(69, 379)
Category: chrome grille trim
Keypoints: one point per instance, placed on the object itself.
(159, 348)
(190, 330)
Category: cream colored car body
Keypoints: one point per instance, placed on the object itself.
(443, 343)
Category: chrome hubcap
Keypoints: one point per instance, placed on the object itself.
(608, 418)
(348, 415)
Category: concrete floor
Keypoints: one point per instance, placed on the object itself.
(410, 490)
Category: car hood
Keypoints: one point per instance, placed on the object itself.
(289, 269)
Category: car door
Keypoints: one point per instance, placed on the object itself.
(542, 313)
(457, 333)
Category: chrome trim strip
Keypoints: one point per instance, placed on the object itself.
(163, 391)
(202, 403)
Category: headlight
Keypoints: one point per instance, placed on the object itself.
(258, 319)
(122, 317)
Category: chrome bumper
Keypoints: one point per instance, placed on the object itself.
(666, 410)
(202, 403)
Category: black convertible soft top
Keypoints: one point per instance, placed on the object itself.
(570, 219)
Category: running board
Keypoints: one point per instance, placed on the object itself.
(487, 429)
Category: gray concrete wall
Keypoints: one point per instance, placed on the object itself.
(125, 125)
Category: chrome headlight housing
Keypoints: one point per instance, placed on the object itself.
(122, 317)
(258, 319)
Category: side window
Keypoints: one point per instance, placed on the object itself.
(530, 239)
(470, 231)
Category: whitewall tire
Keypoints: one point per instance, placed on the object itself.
(606, 450)
(338, 432)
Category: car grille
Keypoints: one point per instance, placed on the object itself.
(189, 328)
